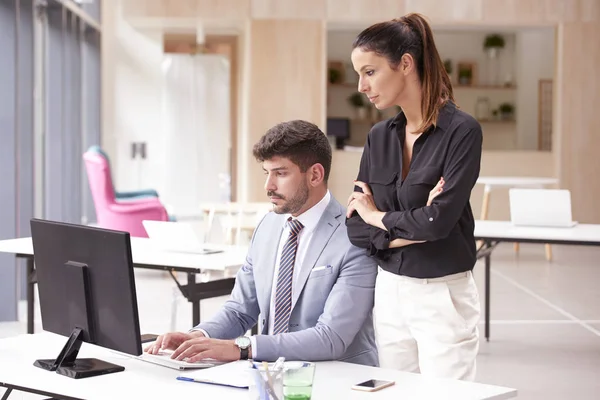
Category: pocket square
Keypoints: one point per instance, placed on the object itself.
(320, 268)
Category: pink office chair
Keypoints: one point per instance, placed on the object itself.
(119, 215)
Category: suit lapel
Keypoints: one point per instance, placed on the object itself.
(325, 228)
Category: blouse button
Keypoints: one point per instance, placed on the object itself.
(430, 219)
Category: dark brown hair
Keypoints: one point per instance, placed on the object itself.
(300, 141)
(412, 34)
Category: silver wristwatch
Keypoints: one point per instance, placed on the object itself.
(243, 343)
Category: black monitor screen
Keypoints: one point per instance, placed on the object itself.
(338, 127)
(108, 312)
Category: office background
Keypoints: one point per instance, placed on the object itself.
(281, 74)
(62, 93)
(78, 73)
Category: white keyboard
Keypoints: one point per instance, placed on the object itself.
(164, 358)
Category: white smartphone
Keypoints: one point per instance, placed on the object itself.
(373, 385)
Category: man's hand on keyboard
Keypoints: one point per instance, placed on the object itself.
(171, 341)
(198, 349)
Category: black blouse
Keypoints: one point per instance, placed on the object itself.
(452, 149)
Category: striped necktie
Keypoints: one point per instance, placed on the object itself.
(283, 293)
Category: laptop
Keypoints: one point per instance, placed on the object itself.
(181, 237)
(541, 207)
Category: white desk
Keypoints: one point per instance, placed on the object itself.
(491, 233)
(148, 255)
(516, 181)
(142, 380)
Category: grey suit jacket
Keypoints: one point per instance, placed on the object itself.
(331, 317)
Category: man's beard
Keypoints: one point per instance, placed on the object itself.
(292, 205)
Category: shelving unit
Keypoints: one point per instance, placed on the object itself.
(497, 121)
(344, 85)
(483, 87)
(454, 86)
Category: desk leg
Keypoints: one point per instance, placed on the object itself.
(19, 389)
(548, 252)
(487, 295)
(7, 393)
(486, 203)
(484, 207)
(30, 295)
(195, 304)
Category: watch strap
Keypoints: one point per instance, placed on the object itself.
(243, 354)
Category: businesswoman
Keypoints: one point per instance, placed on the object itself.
(426, 302)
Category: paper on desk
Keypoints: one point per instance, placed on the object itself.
(233, 374)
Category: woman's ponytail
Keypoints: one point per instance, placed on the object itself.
(435, 82)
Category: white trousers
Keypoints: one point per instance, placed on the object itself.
(427, 325)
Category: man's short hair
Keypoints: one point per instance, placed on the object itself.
(300, 141)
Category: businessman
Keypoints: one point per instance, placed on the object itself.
(308, 288)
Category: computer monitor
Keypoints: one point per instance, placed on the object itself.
(340, 129)
(87, 292)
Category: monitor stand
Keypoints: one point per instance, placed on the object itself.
(340, 143)
(67, 362)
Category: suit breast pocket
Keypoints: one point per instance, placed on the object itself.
(420, 184)
(318, 272)
(320, 282)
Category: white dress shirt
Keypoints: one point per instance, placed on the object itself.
(309, 219)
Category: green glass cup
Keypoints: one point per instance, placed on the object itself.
(298, 380)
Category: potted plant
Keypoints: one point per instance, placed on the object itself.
(465, 76)
(357, 101)
(506, 111)
(492, 44)
(335, 76)
(448, 67)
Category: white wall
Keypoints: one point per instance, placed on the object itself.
(132, 101)
(179, 118)
(339, 44)
(535, 61)
(196, 131)
(138, 105)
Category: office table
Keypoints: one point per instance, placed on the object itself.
(491, 233)
(142, 380)
(148, 254)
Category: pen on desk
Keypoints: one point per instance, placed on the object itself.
(261, 385)
(278, 366)
(270, 388)
(265, 365)
(269, 383)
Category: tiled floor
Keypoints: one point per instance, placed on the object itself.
(545, 332)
